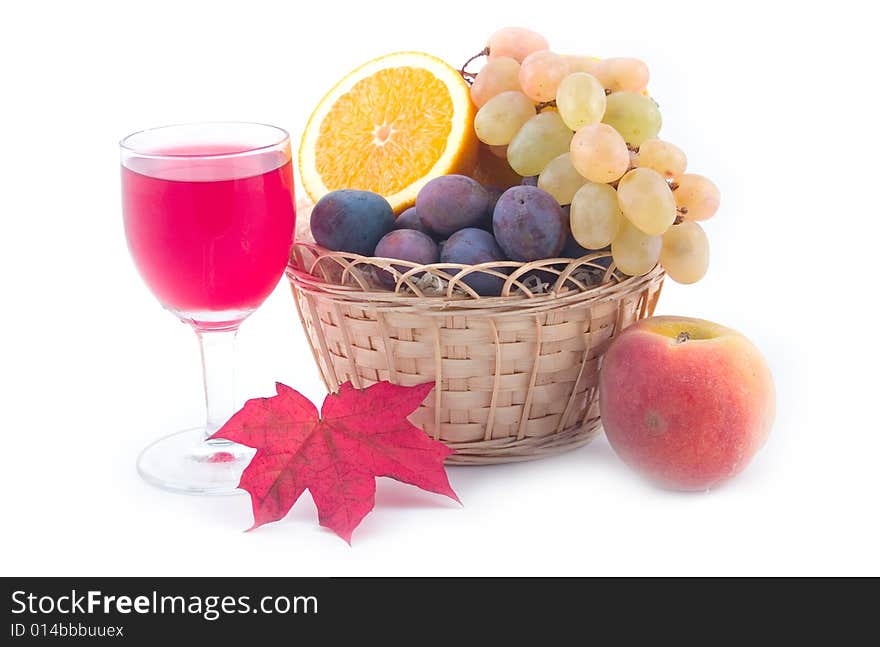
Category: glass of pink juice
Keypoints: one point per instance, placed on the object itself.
(209, 219)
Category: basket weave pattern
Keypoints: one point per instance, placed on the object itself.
(516, 374)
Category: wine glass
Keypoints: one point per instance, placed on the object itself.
(209, 219)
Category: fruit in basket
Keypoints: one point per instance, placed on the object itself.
(573, 249)
(587, 64)
(686, 402)
(541, 73)
(599, 153)
(603, 110)
(561, 179)
(451, 202)
(515, 42)
(623, 74)
(406, 245)
(499, 74)
(697, 196)
(473, 246)
(529, 224)
(580, 99)
(409, 219)
(647, 201)
(501, 118)
(635, 116)
(595, 215)
(665, 158)
(351, 221)
(370, 131)
(542, 138)
(635, 252)
(685, 253)
(569, 125)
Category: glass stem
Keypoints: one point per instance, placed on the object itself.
(218, 370)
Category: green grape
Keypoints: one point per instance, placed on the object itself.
(634, 116)
(595, 215)
(685, 254)
(665, 158)
(515, 42)
(560, 179)
(647, 201)
(499, 75)
(634, 252)
(501, 118)
(623, 74)
(697, 196)
(541, 138)
(599, 153)
(588, 64)
(541, 73)
(580, 99)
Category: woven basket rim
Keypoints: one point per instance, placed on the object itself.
(564, 292)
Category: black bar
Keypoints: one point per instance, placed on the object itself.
(269, 611)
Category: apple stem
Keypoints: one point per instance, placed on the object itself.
(682, 337)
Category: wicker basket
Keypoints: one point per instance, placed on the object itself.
(517, 373)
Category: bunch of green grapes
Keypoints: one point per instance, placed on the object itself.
(588, 130)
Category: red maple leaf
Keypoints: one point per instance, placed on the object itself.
(358, 436)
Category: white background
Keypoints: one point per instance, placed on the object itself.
(776, 102)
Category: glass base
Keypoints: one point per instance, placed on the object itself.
(184, 462)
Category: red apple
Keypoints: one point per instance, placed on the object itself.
(684, 401)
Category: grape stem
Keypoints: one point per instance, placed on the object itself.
(470, 76)
(546, 104)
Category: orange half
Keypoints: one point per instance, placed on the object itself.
(389, 127)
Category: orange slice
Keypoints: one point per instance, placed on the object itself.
(388, 127)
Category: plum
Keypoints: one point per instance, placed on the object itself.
(409, 219)
(406, 245)
(529, 224)
(472, 246)
(573, 250)
(351, 221)
(451, 202)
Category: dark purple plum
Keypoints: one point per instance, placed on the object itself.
(573, 250)
(529, 224)
(530, 180)
(472, 246)
(409, 219)
(351, 221)
(406, 245)
(451, 202)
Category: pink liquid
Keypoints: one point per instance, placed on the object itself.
(210, 235)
